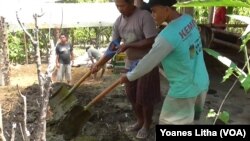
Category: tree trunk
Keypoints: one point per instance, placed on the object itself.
(98, 32)
(44, 83)
(2, 138)
(40, 134)
(56, 34)
(4, 54)
(26, 50)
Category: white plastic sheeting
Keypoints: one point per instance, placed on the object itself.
(55, 14)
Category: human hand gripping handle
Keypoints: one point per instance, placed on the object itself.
(123, 79)
(94, 68)
(121, 48)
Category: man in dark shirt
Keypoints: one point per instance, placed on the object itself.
(64, 56)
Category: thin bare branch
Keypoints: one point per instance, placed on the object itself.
(26, 131)
(21, 128)
(24, 29)
(13, 132)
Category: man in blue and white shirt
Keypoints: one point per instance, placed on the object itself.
(178, 48)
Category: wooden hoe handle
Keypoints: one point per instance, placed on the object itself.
(102, 94)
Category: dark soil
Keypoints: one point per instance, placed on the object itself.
(109, 117)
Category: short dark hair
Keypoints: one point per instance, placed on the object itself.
(128, 1)
(169, 3)
(64, 34)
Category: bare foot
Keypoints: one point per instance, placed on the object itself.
(142, 133)
(133, 127)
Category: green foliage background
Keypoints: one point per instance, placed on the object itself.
(16, 47)
(84, 36)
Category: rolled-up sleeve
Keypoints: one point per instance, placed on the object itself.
(161, 48)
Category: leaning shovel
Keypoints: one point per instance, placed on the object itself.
(62, 100)
(72, 123)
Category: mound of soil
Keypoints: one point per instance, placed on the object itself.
(109, 117)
